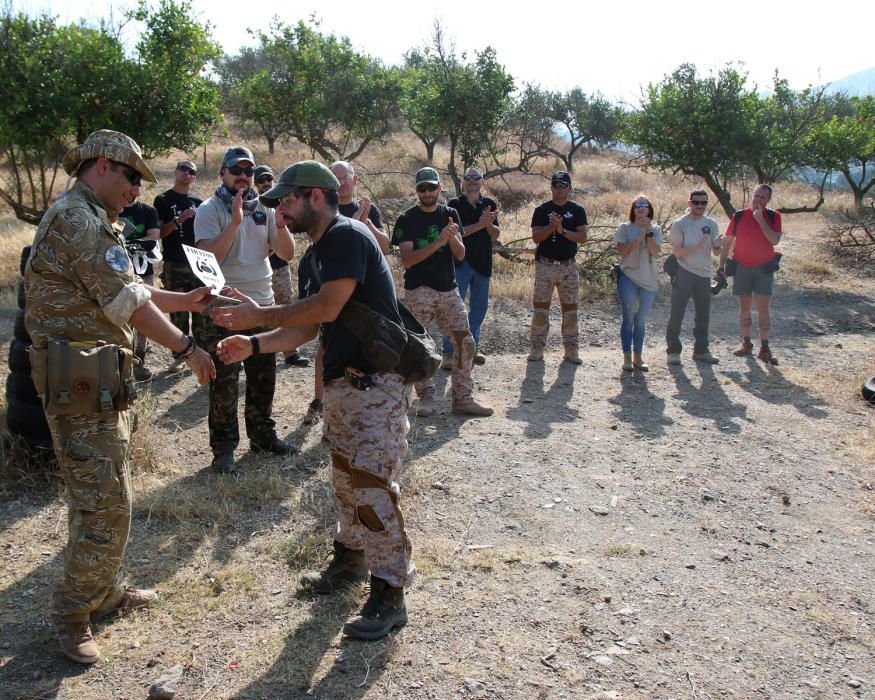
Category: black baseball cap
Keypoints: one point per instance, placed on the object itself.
(560, 177)
(236, 154)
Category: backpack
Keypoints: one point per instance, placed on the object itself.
(407, 350)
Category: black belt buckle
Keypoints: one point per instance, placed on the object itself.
(358, 379)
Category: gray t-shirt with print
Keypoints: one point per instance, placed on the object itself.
(687, 232)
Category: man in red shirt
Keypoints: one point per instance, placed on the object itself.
(753, 234)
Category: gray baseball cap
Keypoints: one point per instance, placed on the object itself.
(428, 175)
(262, 170)
(236, 154)
(306, 173)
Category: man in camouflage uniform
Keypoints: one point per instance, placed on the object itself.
(558, 226)
(429, 238)
(81, 290)
(365, 414)
(241, 232)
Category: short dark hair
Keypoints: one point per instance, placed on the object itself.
(85, 166)
(331, 198)
(699, 192)
(768, 187)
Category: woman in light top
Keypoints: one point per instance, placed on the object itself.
(638, 242)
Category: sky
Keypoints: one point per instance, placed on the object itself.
(612, 48)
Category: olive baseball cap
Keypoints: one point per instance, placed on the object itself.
(112, 145)
(262, 170)
(428, 175)
(235, 155)
(305, 173)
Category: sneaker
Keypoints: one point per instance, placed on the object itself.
(447, 362)
(673, 358)
(706, 357)
(384, 610)
(536, 356)
(314, 412)
(425, 408)
(572, 356)
(278, 447)
(224, 463)
(470, 407)
(130, 599)
(479, 358)
(78, 643)
(347, 567)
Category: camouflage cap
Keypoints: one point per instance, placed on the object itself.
(262, 170)
(112, 145)
(306, 173)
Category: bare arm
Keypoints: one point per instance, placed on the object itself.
(149, 320)
(411, 257)
(578, 235)
(772, 236)
(237, 348)
(220, 245)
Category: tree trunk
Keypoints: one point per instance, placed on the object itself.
(271, 141)
(429, 151)
(720, 192)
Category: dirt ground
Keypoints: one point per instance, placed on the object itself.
(692, 532)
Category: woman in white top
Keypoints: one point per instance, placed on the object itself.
(638, 242)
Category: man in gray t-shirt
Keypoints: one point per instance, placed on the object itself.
(241, 232)
(694, 239)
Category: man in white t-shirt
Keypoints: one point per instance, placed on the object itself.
(241, 232)
(694, 239)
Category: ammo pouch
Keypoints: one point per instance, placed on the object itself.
(388, 347)
(76, 378)
(731, 267)
(774, 264)
(670, 266)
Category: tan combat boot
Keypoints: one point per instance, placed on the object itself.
(469, 407)
(627, 362)
(572, 356)
(77, 642)
(638, 363)
(129, 599)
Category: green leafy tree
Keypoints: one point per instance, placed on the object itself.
(696, 126)
(419, 101)
(845, 143)
(59, 83)
(330, 97)
(583, 119)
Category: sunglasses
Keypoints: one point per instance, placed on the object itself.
(426, 187)
(131, 175)
(698, 202)
(186, 169)
(237, 170)
(642, 205)
(560, 185)
(473, 178)
(264, 180)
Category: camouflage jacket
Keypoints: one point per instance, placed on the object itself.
(80, 283)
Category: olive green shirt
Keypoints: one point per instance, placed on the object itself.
(79, 280)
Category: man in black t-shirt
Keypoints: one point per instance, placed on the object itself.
(558, 226)
(364, 427)
(363, 208)
(480, 220)
(429, 238)
(141, 224)
(176, 210)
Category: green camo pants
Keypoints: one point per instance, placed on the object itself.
(94, 460)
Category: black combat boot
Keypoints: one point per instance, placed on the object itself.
(347, 567)
(384, 611)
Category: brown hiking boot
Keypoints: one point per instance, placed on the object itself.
(384, 611)
(744, 349)
(77, 642)
(572, 356)
(469, 407)
(131, 598)
(347, 568)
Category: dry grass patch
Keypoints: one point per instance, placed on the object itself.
(304, 550)
(14, 235)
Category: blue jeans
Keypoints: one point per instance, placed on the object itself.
(632, 327)
(467, 278)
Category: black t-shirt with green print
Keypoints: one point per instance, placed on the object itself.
(438, 270)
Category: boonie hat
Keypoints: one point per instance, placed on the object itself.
(560, 177)
(428, 175)
(235, 155)
(112, 145)
(306, 173)
(262, 170)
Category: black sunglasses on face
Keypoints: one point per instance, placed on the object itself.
(473, 177)
(186, 169)
(131, 175)
(237, 170)
(642, 205)
(698, 202)
(427, 187)
(264, 180)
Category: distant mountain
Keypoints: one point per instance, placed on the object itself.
(860, 84)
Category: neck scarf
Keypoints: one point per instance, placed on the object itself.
(250, 199)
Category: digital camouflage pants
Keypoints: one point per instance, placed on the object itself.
(282, 288)
(366, 433)
(94, 461)
(565, 278)
(260, 384)
(178, 277)
(448, 310)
